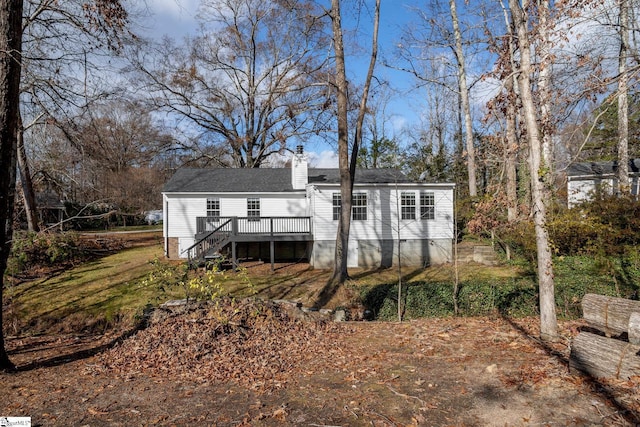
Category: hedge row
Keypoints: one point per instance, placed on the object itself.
(514, 297)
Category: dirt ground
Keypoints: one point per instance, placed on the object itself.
(432, 372)
(205, 367)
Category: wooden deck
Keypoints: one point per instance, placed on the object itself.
(214, 233)
(247, 229)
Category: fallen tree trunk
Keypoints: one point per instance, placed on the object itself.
(608, 314)
(603, 357)
(634, 328)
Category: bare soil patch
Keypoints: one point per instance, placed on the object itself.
(260, 365)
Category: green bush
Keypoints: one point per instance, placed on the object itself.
(37, 250)
(575, 233)
(515, 296)
(520, 237)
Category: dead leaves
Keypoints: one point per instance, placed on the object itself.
(253, 343)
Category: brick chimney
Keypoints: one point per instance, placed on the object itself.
(299, 169)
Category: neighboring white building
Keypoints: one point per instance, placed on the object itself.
(585, 179)
(292, 214)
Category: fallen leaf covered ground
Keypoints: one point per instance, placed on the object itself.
(261, 364)
(256, 344)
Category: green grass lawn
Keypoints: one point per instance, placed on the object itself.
(115, 289)
(96, 293)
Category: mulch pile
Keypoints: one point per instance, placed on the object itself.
(257, 344)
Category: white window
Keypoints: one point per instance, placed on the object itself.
(408, 205)
(253, 209)
(337, 205)
(427, 206)
(359, 208)
(213, 208)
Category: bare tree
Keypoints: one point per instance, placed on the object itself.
(464, 100)
(623, 94)
(10, 65)
(379, 148)
(251, 83)
(119, 150)
(521, 21)
(100, 15)
(441, 37)
(347, 153)
(63, 43)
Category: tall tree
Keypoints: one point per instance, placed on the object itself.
(64, 44)
(251, 84)
(99, 15)
(347, 159)
(379, 148)
(440, 50)
(10, 66)
(624, 185)
(120, 150)
(521, 21)
(464, 100)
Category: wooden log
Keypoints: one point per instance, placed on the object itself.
(603, 357)
(634, 328)
(608, 314)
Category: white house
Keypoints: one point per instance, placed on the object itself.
(292, 214)
(585, 179)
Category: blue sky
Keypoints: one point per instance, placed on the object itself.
(177, 19)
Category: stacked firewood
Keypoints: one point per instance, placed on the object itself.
(612, 348)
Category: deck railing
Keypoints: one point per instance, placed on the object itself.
(270, 226)
(215, 239)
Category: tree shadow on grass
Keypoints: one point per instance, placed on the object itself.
(84, 353)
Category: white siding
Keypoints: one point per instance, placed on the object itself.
(181, 214)
(382, 214)
(581, 190)
(182, 209)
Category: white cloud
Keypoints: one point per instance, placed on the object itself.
(175, 8)
(174, 18)
(325, 159)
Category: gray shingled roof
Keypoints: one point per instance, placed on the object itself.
(600, 168)
(265, 180)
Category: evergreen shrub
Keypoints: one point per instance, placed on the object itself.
(514, 296)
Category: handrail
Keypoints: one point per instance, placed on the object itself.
(200, 244)
(262, 225)
(247, 226)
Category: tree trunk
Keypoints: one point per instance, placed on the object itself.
(511, 132)
(10, 69)
(511, 151)
(346, 164)
(608, 314)
(340, 273)
(464, 98)
(548, 319)
(544, 89)
(623, 108)
(603, 357)
(28, 193)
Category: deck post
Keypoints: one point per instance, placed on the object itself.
(272, 253)
(234, 259)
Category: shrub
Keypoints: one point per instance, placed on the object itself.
(520, 237)
(513, 296)
(572, 234)
(37, 250)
